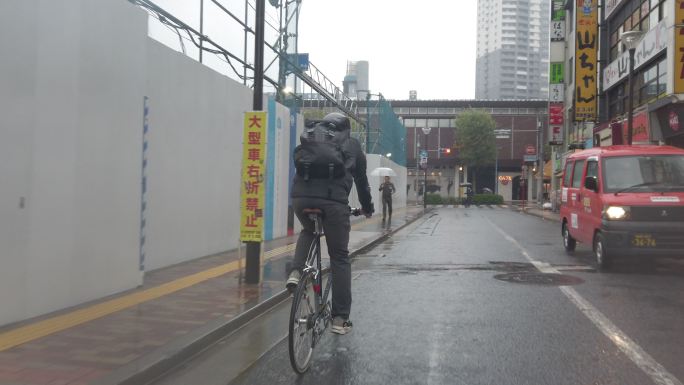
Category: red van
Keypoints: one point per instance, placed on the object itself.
(624, 200)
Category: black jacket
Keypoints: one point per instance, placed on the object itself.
(338, 189)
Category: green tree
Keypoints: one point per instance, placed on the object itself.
(475, 140)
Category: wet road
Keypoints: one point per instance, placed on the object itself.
(472, 296)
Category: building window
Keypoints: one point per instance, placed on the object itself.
(643, 18)
(616, 100)
(651, 82)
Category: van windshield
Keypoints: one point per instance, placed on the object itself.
(644, 173)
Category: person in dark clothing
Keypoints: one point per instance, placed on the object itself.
(332, 197)
(469, 196)
(387, 189)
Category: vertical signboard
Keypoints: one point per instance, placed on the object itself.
(556, 75)
(253, 171)
(558, 20)
(556, 93)
(558, 10)
(555, 124)
(586, 45)
(679, 48)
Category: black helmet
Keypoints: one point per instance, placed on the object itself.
(337, 121)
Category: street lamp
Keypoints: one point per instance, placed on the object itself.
(426, 131)
(630, 39)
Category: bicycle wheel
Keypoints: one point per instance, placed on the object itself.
(300, 336)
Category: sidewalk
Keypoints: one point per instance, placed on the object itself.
(538, 212)
(135, 336)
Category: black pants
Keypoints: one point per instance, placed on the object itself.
(386, 204)
(336, 227)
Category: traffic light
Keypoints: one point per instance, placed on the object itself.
(445, 151)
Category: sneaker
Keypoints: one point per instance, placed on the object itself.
(293, 280)
(341, 325)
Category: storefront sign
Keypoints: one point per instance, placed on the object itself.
(505, 179)
(556, 73)
(679, 48)
(555, 132)
(586, 45)
(670, 120)
(674, 122)
(556, 114)
(654, 42)
(558, 10)
(557, 30)
(640, 128)
(253, 171)
(556, 93)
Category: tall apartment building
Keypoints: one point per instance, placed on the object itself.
(512, 49)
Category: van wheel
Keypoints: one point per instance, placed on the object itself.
(601, 254)
(568, 241)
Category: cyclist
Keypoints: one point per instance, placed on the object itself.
(331, 196)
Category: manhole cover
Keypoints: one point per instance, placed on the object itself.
(550, 279)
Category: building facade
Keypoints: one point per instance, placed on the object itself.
(512, 49)
(657, 76)
(518, 125)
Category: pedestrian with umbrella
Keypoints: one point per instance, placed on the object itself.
(387, 188)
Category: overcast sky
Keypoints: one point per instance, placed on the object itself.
(427, 45)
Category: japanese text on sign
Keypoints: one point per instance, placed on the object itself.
(555, 123)
(556, 74)
(252, 183)
(586, 44)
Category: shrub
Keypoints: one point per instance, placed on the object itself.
(451, 201)
(487, 199)
(433, 199)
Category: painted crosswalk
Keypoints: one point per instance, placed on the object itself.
(471, 206)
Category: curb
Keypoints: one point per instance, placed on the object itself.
(154, 365)
(552, 216)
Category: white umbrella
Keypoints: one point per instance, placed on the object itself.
(383, 171)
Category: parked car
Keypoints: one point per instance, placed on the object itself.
(624, 200)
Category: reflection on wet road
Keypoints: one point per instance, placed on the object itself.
(490, 297)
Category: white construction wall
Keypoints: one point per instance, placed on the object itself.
(398, 199)
(193, 159)
(119, 155)
(72, 81)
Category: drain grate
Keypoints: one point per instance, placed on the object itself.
(534, 278)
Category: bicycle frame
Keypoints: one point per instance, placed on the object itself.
(314, 264)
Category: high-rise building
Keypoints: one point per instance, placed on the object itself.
(355, 84)
(512, 49)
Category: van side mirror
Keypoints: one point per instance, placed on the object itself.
(591, 183)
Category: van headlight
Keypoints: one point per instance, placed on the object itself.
(616, 212)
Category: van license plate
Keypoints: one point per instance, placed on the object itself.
(643, 240)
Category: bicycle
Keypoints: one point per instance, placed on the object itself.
(310, 314)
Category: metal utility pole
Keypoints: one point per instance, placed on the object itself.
(540, 182)
(201, 39)
(368, 120)
(253, 259)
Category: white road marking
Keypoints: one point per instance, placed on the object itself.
(631, 349)
(433, 363)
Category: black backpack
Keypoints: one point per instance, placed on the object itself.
(322, 151)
